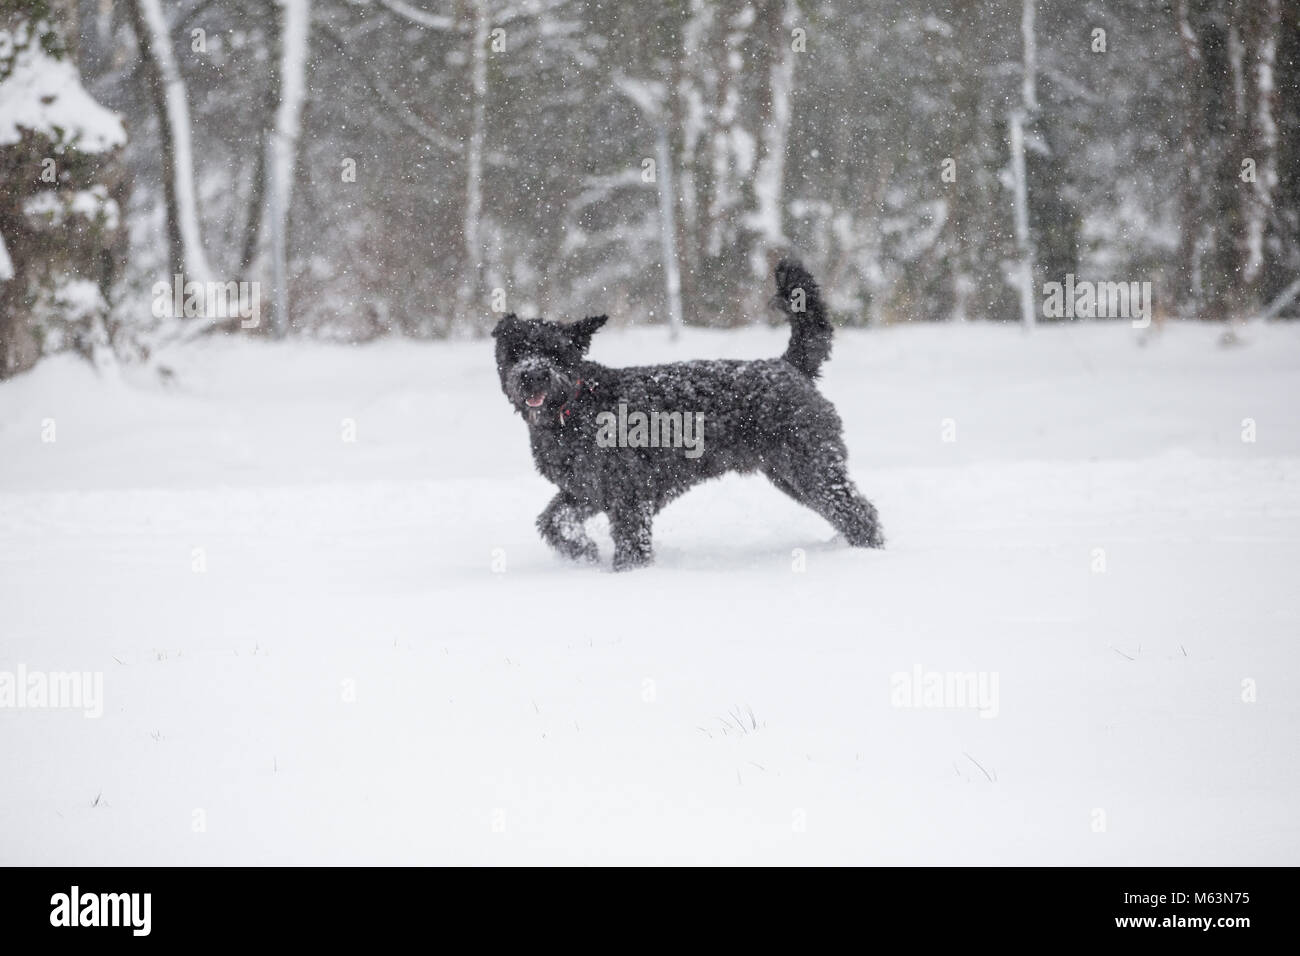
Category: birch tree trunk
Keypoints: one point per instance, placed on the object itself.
(167, 88)
(295, 32)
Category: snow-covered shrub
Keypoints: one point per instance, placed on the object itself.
(62, 189)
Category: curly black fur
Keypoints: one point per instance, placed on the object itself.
(763, 416)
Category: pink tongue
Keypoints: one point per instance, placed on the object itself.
(536, 400)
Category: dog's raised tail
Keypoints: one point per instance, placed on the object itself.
(799, 298)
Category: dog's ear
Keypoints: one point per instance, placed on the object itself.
(582, 330)
(508, 320)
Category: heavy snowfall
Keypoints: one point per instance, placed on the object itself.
(271, 589)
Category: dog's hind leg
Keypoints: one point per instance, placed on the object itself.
(630, 527)
(561, 525)
(828, 490)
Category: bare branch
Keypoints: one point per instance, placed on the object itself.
(421, 18)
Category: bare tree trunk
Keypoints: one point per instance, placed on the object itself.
(1024, 246)
(730, 237)
(668, 231)
(295, 35)
(1190, 200)
(1029, 76)
(167, 88)
(686, 101)
(769, 177)
(1016, 122)
(1215, 134)
(656, 108)
(471, 288)
(256, 212)
(104, 22)
(279, 270)
(1263, 30)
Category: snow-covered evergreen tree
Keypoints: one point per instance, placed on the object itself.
(62, 190)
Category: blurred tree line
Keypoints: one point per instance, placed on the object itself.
(412, 166)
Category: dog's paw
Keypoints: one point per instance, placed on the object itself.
(630, 562)
(873, 540)
(589, 555)
(584, 553)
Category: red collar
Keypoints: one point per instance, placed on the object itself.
(565, 412)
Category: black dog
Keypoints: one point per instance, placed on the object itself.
(765, 415)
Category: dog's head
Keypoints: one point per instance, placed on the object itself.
(538, 362)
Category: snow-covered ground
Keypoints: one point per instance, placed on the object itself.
(377, 659)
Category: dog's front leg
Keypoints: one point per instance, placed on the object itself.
(561, 525)
(630, 528)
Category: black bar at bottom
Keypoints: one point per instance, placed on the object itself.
(1226, 905)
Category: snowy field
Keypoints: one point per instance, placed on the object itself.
(373, 658)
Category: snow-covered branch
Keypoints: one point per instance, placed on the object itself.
(421, 18)
(648, 95)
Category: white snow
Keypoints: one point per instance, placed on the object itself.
(550, 713)
(45, 96)
(6, 264)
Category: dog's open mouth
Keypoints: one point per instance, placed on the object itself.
(536, 401)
